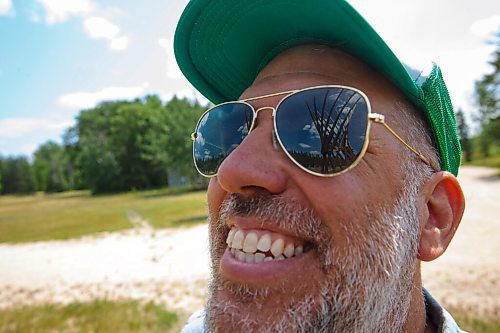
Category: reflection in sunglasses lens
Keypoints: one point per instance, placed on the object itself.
(219, 132)
(323, 129)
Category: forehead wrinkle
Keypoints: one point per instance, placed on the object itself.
(290, 80)
(291, 73)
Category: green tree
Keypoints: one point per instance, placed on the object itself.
(123, 145)
(1, 171)
(181, 118)
(50, 167)
(487, 93)
(93, 156)
(17, 176)
(134, 130)
(463, 134)
(71, 151)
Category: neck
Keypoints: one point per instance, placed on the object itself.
(417, 319)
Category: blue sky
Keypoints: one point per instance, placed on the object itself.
(61, 56)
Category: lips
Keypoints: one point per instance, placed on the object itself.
(254, 246)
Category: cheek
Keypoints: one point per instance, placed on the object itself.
(215, 197)
(342, 203)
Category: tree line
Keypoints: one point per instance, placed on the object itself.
(116, 146)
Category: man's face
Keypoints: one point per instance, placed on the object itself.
(343, 248)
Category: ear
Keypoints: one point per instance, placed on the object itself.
(443, 209)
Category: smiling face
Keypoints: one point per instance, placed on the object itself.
(296, 252)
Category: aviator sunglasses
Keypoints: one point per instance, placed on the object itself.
(324, 130)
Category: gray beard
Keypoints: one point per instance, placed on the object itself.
(365, 289)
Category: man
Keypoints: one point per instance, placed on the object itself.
(332, 173)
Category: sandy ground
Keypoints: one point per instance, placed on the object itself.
(171, 266)
(167, 266)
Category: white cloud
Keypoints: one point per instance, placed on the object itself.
(6, 7)
(459, 78)
(95, 26)
(119, 43)
(11, 128)
(84, 100)
(485, 27)
(61, 10)
(100, 28)
(173, 71)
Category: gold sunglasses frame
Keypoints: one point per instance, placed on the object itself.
(371, 117)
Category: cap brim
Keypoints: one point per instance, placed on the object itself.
(221, 46)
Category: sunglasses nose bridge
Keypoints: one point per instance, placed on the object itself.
(265, 108)
(262, 109)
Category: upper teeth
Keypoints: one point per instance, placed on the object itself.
(252, 246)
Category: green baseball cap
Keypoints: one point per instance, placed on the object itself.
(222, 45)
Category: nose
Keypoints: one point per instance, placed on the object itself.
(255, 165)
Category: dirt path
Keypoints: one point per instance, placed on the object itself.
(171, 266)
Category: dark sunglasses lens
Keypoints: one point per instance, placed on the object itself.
(323, 129)
(218, 133)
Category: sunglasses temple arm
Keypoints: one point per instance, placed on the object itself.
(379, 119)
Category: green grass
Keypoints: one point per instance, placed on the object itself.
(97, 316)
(492, 161)
(185, 209)
(471, 323)
(73, 214)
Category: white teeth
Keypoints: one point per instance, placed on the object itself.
(250, 244)
(277, 247)
(259, 257)
(264, 244)
(244, 247)
(289, 250)
(249, 258)
(230, 237)
(240, 256)
(238, 240)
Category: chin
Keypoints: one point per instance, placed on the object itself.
(236, 307)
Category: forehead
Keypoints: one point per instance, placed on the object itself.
(311, 65)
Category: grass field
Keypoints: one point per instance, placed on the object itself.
(492, 161)
(77, 213)
(98, 316)
(475, 324)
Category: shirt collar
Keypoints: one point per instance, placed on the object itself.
(438, 316)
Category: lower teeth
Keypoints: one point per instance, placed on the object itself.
(254, 257)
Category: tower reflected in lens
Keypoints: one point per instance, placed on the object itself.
(324, 129)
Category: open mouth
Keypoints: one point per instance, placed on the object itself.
(255, 245)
